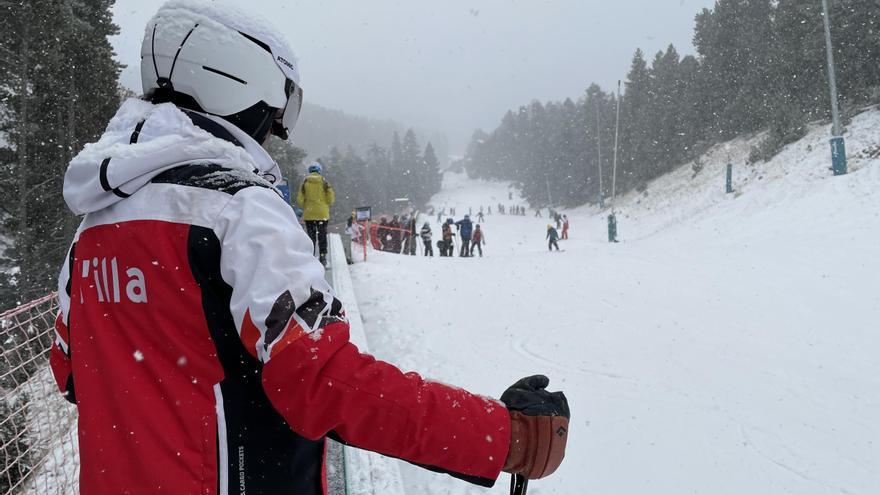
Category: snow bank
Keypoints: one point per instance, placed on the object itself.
(366, 473)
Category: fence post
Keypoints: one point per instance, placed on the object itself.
(366, 237)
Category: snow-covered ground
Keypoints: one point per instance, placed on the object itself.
(727, 345)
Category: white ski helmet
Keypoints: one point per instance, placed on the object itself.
(217, 59)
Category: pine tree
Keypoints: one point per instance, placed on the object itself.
(377, 170)
(60, 95)
(856, 33)
(433, 176)
(290, 160)
(397, 169)
(635, 128)
(733, 39)
(413, 176)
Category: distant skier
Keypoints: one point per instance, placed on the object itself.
(564, 227)
(406, 234)
(413, 232)
(465, 230)
(352, 235)
(480, 216)
(478, 240)
(447, 234)
(315, 198)
(394, 235)
(382, 235)
(538, 212)
(552, 237)
(426, 239)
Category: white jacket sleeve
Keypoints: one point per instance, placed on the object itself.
(279, 291)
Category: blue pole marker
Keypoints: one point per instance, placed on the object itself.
(838, 155)
(729, 182)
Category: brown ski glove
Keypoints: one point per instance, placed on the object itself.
(538, 427)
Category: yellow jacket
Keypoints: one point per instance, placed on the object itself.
(315, 197)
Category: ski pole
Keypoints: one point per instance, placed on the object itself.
(519, 484)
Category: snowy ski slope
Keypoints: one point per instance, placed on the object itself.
(728, 345)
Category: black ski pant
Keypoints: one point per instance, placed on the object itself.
(446, 250)
(429, 249)
(317, 231)
(553, 244)
(478, 246)
(465, 247)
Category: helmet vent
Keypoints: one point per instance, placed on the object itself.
(224, 74)
(174, 63)
(153, 49)
(256, 41)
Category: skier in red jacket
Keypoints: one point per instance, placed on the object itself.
(197, 335)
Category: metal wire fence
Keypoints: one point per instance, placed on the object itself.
(38, 451)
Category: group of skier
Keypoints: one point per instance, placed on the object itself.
(397, 235)
(514, 210)
(552, 232)
(472, 238)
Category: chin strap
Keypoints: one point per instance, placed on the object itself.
(279, 130)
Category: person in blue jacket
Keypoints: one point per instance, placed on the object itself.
(465, 230)
(552, 237)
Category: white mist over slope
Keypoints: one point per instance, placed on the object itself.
(727, 345)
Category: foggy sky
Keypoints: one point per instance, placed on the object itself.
(453, 65)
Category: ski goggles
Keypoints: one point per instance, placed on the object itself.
(289, 115)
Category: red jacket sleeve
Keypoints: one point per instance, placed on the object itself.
(59, 360)
(321, 383)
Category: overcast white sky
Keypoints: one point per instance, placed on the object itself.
(451, 65)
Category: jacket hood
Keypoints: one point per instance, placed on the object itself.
(143, 140)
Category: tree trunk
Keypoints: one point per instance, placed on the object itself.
(23, 241)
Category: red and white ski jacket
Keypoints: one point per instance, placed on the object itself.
(202, 345)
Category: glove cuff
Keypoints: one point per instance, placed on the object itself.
(537, 444)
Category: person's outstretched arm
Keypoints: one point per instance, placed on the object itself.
(288, 317)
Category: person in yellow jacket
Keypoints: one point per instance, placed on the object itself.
(315, 197)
